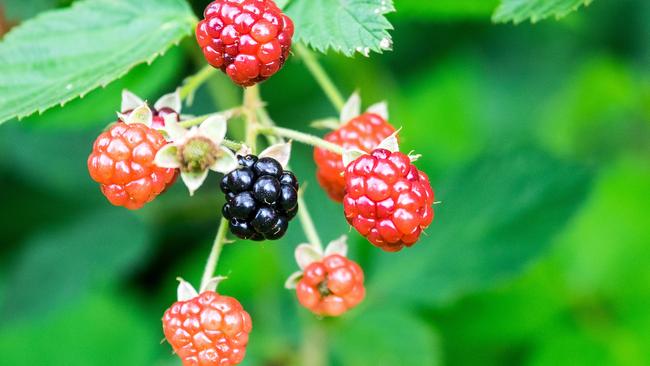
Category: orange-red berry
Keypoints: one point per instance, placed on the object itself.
(388, 200)
(122, 163)
(208, 330)
(364, 132)
(249, 40)
(332, 286)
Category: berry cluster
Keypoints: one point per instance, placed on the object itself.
(208, 330)
(261, 198)
(388, 200)
(122, 162)
(247, 39)
(364, 133)
(331, 286)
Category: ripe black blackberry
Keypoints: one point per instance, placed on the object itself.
(261, 198)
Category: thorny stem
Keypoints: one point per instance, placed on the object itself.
(195, 81)
(305, 138)
(213, 259)
(321, 76)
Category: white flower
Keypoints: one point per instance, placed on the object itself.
(196, 151)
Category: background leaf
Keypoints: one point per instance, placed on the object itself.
(78, 49)
(95, 250)
(486, 229)
(101, 330)
(345, 26)
(446, 9)
(385, 337)
(519, 10)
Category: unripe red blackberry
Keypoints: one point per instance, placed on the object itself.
(363, 132)
(387, 199)
(122, 162)
(249, 40)
(208, 330)
(331, 286)
(261, 198)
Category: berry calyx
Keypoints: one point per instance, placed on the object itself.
(249, 40)
(363, 132)
(261, 198)
(166, 109)
(388, 200)
(122, 162)
(331, 286)
(208, 330)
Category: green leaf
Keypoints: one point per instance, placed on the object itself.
(64, 54)
(386, 337)
(21, 9)
(65, 263)
(519, 10)
(497, 215)
(345, 26)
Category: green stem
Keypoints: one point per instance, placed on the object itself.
(308, 224)
(321, 76)
(314, 347)
(252, 102)
(305, 218)
(232, 145)
(195, 81)
(228, 114)
(305, 138)
(213, 259)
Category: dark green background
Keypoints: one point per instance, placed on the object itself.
(537, 142)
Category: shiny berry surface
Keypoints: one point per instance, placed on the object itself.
(249, 40)
(388, 200)
(122, 163)
(364, 133)
(261, 198)
(332, 286)
(208, 330)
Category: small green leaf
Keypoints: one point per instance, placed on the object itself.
(518, 11)
(67, 262)
(64, 54)
(386, 337)
(496, 216)
(345, 26)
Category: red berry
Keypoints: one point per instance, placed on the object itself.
(208, 330)
(332, 286)
(247, 39)
(388, 200)
(364, 133)
(122, 162)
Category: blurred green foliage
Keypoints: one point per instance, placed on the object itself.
(537, 140)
